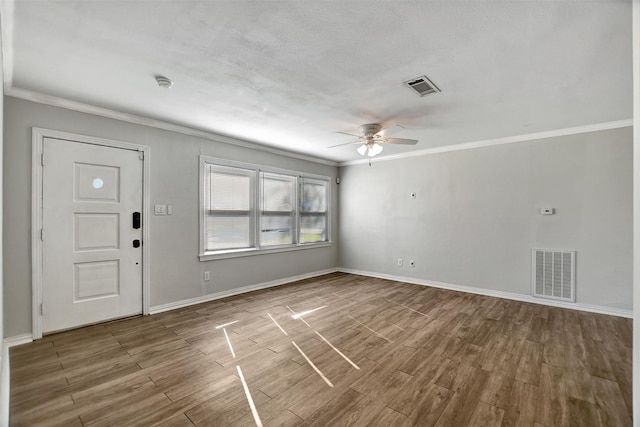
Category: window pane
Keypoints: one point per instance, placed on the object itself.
(230, 191)
(277, 192)
(313, 208)
(276, 217)
(228, 232)
(276, 230)
(314, 196)
(313, 228)
(228, 204)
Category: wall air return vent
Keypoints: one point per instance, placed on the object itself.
(554, 274)
(422, 86)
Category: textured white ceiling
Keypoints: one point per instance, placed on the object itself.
(289, 74)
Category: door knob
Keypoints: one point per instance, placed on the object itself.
(136, 243)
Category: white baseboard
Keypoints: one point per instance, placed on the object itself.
(492, 293)
(236, 291)
(5, 385)
(17, 340)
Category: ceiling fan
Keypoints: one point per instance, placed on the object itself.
(371, 137)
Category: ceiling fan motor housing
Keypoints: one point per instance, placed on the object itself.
(370, 129)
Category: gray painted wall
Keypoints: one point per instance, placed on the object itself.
(475, 218)
(473, 223)
(176, 272)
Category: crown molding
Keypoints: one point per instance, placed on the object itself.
(498, 141)
(55, 101)
(81, 107)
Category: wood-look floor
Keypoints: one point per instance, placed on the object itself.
(384, 353)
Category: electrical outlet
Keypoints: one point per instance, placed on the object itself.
(207, 276)
(399, 262)
(412, 263)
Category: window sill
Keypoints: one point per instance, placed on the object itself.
(211, 256)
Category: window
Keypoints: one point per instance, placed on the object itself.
(228, 194)
(277, 209)
(313, 210)
(250, 209)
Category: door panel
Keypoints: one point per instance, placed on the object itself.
(94, 231)
(91, 271)
(97, 183)
(96, 280)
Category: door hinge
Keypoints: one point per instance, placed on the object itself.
(42, 159)
(42, 309)
(141, 155)
(42, 234)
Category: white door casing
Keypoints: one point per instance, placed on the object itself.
(86, 268)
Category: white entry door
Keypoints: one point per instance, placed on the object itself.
(92, 254)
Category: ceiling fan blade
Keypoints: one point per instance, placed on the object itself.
(346, 143)
(402, 141)
(350, 134)
(391, 130)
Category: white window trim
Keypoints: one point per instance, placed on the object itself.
(234, 253)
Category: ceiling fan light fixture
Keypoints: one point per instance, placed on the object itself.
(375, 149)
(372, 138)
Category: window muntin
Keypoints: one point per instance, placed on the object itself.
(248, 209)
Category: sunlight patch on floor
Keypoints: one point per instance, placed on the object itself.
(315, 368)
(252, 405)
(277, 324)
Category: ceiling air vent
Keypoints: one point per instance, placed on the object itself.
(422, 86)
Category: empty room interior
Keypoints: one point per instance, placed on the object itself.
(320, 213)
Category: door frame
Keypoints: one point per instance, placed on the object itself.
(38, 136)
